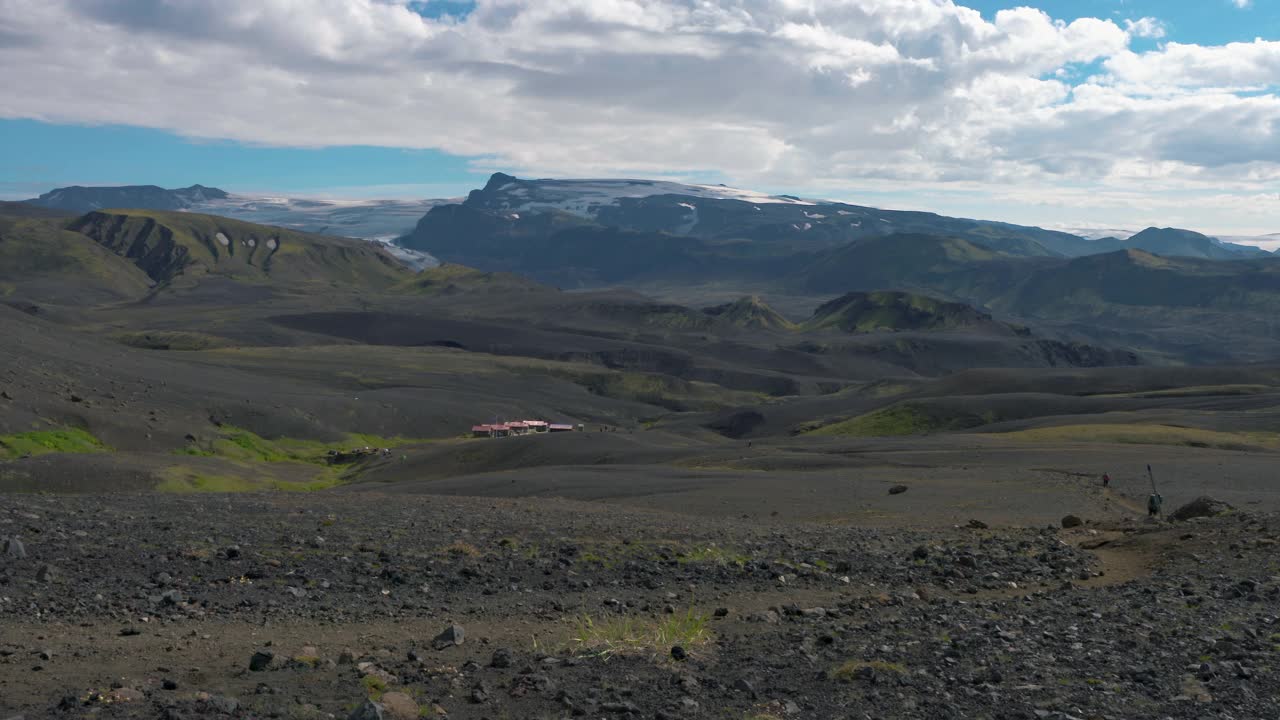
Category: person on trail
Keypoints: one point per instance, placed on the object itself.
(1106, 480)
(1153, 504)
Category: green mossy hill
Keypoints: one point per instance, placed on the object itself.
(43, 261)
(454, 279)
(750, 312)
(946, 265)
(899, 420)
(171, 245)
(874, 311)
(1100, 284)
(44, 442)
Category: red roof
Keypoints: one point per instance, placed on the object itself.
(480, 428)
(561, 427)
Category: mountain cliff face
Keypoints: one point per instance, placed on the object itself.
(183, 247)
(78, 199)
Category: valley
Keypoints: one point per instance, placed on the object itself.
(818, 469)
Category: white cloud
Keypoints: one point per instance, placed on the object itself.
(1242, 4)
(775, 93)
(1147, 27)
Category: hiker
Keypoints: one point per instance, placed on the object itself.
(1153, 504)
(1106, 480)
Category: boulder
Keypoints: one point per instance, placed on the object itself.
(261, 660)
(14, 549)
(897, 489)
(451, 636)
(398, 706)
(391, 706)
(1071, 521)
(1203, 506)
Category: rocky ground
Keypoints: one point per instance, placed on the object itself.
(364, 605)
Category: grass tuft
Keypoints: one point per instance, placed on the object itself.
(639, 636)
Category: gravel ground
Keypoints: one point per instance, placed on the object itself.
(317, 605)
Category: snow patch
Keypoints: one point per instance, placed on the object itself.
(585, 197)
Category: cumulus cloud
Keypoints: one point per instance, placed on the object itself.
(778, 93)
(1147, 27)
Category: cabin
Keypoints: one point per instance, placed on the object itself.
(520, 427)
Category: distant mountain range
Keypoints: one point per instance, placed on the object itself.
(591, 232)
(1114, 239)
(549, 228)
(382, 220)
(79, 199)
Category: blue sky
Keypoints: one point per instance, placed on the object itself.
(360, 100)
(37, 156)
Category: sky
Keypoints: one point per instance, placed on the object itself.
(1061, 113)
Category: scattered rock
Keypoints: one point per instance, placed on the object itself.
(14, 549)
(398, 706)
(1202, 507)
(126, 695)
(449, 637)
(261, 660)
(502, 658)
(977, 525)
(45, 574)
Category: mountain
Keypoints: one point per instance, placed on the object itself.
(382, 220)
(1174, 242)
(41, 261)
(660, 228)
(951, 267)
(183, 249)
(1118, 282)
(79, 199)
(752, 313)
(875, 311)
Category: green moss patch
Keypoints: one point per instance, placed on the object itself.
(182, 479)
(44, 442)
